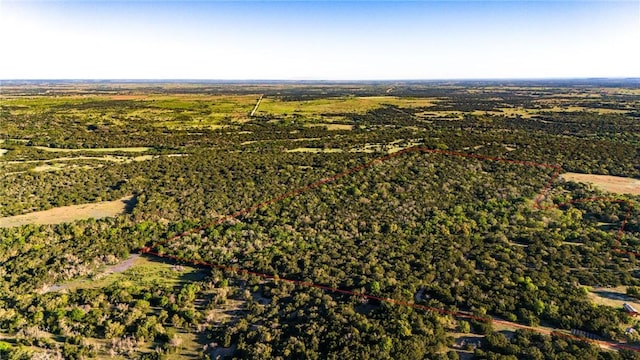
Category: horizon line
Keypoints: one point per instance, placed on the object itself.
(209, 80)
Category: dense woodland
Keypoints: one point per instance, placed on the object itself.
(444, 231)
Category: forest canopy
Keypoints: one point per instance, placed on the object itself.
(472, 247)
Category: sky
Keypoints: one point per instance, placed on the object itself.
(318, 40)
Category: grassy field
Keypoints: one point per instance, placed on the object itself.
(14, 167)
(71, 213)
(330, 126)
(614, 184)
(314, 150)
(614, 297)
(388, 148)
(98, 150)
(172, 111)
(333, 107)
(525, 113)
(138, 270)
(109, 158)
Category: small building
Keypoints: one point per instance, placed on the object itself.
(630, 309)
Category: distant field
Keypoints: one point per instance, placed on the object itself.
(68, 213)
(336, 106)
(333, 126)
(314, 150)
(57, 163)
(615, 297)
(69, 162)
(47, 167)
(175, 111)
(104, 150)
(614, 184)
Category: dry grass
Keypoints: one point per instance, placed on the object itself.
(614, 184)
(111, 158)
(303, 139)
(614, 297)
(68, 213)
(101, 150)
(47, 167)
(509, 112)
(314, 150)
(624, 91)
(525, 113)
(330, 126)
(57, 164)
(453, 114)
(388, 148)
(129, 97)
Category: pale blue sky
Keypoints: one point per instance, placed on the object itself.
(328, 40)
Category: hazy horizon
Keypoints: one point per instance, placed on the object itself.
(320, 40)
(337, 81)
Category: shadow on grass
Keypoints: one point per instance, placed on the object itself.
(189, 273)
(614, 295)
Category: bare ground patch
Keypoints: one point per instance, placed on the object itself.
(71, 213)
(614, 184)
(123, 265)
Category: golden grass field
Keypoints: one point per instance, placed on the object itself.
(331, 126)
(314, 150)
(98, 150)
(70, 213)
(614, 184)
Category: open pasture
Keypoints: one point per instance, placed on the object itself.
(335, 107)
(71, 213)
(614, 184)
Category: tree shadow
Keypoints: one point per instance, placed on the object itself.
(188, 272)
(614, 295)
(129, 204)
